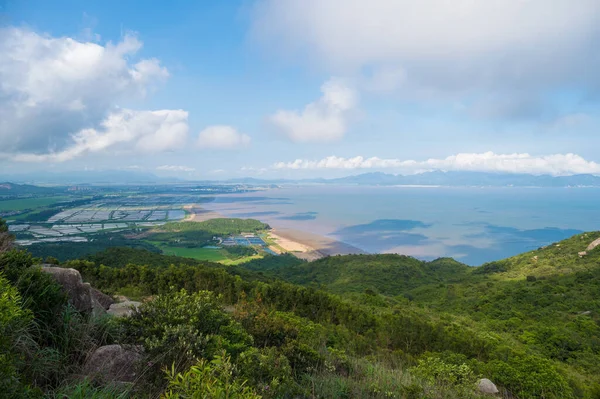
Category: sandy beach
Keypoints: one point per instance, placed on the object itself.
(199, 214)
(310, 246)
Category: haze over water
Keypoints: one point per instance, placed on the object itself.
(473, 225)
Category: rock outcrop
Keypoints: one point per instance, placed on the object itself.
(80, 293)
(113, 364)
(123, 309)
(593, 245)
(486, 386)
(104, 300)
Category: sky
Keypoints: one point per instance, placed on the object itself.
(300, 88)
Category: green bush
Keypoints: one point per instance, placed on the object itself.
(179, 329)
(529, 377)
(269, 372)
(14, 326)
(438, 372)
(208, 380)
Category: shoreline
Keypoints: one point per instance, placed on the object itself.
(302, 244)
(310, 246)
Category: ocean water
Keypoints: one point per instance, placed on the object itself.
(473, 225)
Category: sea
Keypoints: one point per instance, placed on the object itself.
(474, 225)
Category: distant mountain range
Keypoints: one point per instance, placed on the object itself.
(452, 179)
(88, 177)
(472, 179)
(11, 189)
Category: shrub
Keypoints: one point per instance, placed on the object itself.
(14, 325)
(528, 377)
(269, 372)
(179, 329)
(215, 380)
(436, 371)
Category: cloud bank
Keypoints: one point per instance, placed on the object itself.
(58, 96)
(555, 165)
(222, 137)
(492, 53)
(321, 121)
(124, 130)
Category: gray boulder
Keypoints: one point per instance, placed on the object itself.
(487, 386)
(104, 300)
(113, 364)
(593, 245)
(79, 293)
(123, 309)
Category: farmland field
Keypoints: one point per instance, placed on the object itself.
(209, 254)
(29, 203)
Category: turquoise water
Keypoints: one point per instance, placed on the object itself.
(473, 225)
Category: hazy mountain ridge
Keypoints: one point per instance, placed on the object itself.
(437, 178)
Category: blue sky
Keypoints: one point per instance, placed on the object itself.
(291, 88)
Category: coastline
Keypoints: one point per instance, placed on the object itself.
(310, 246)
(302, 244)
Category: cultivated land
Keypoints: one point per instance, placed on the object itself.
(79, 223)
(29, 203)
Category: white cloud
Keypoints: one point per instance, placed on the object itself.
(51, 87)
(556, 164)
(122, 131)
(222, 137)
(323, 120)
(175, 168)
(443, 45)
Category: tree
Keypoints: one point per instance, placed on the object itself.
(6, 239)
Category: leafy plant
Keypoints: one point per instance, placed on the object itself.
(208, 380)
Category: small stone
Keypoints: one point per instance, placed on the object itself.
(582, 254)
(487, 386)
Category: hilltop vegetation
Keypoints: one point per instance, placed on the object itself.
(386, 274)
(544, 300)
(218, 226)
(370, 326)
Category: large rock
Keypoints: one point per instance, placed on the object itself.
(487, 386)
(123, 309)
(113, 364)
(104, 300)
(79, 293)
(593, 245)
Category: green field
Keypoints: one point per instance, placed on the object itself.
(208, 254)
(213, 255)
(29, 203)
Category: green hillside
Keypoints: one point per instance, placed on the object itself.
(385, 274)
(370, 326)
(544, 300)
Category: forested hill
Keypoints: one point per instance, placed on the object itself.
(386, 274)
(392, 275)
